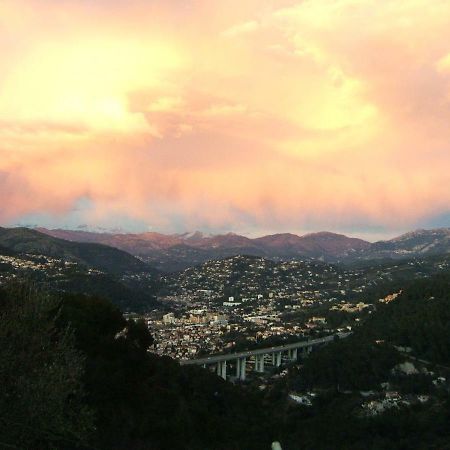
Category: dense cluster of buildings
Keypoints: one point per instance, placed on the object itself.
(241, 302)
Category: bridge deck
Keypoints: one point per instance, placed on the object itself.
(262, 351)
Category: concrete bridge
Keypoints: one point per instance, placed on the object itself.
(273, 356)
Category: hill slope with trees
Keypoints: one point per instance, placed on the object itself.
(412, 331)
(76, 375)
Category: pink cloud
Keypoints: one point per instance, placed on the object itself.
(274, 115)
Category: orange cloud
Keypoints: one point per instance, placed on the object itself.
(270, 115)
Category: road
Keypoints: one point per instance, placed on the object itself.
(262, 351)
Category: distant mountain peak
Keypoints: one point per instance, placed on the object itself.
(325, 234)
(422, 232)
(194, 235)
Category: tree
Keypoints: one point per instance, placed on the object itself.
(41, 396)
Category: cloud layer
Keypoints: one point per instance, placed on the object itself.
(241, 115)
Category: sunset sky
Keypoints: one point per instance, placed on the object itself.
(253, 116)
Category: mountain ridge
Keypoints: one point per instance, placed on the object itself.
(171, 252)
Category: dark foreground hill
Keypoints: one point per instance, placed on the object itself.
(76, 375)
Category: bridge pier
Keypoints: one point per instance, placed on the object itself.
(259, 363)
(293, 354)
(275, 354)
(222, 369)
(278, 359)
(242, 368)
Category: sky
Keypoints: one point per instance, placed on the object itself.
(252, 116)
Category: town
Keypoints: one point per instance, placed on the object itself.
(247, 302)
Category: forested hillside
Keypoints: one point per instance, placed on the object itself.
(403, 352)
(76, 375)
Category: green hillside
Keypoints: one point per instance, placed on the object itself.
(86, 381)
(351, 376)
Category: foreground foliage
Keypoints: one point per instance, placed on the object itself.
(420, 319)
(41, 397)
(132, 399)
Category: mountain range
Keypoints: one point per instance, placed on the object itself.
(171, 252)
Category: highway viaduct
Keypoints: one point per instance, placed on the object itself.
(272, 355)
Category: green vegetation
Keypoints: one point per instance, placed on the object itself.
(78, 375)
(419, 318)
(41, 398)
(332, 423)
(128, 295)
(344, 365)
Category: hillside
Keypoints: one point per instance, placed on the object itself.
(131, 292)
(387, 384)
(415, 243)
(85, 268)
(315, 245)
(93, 255)
(87, 381)
(246, 276)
